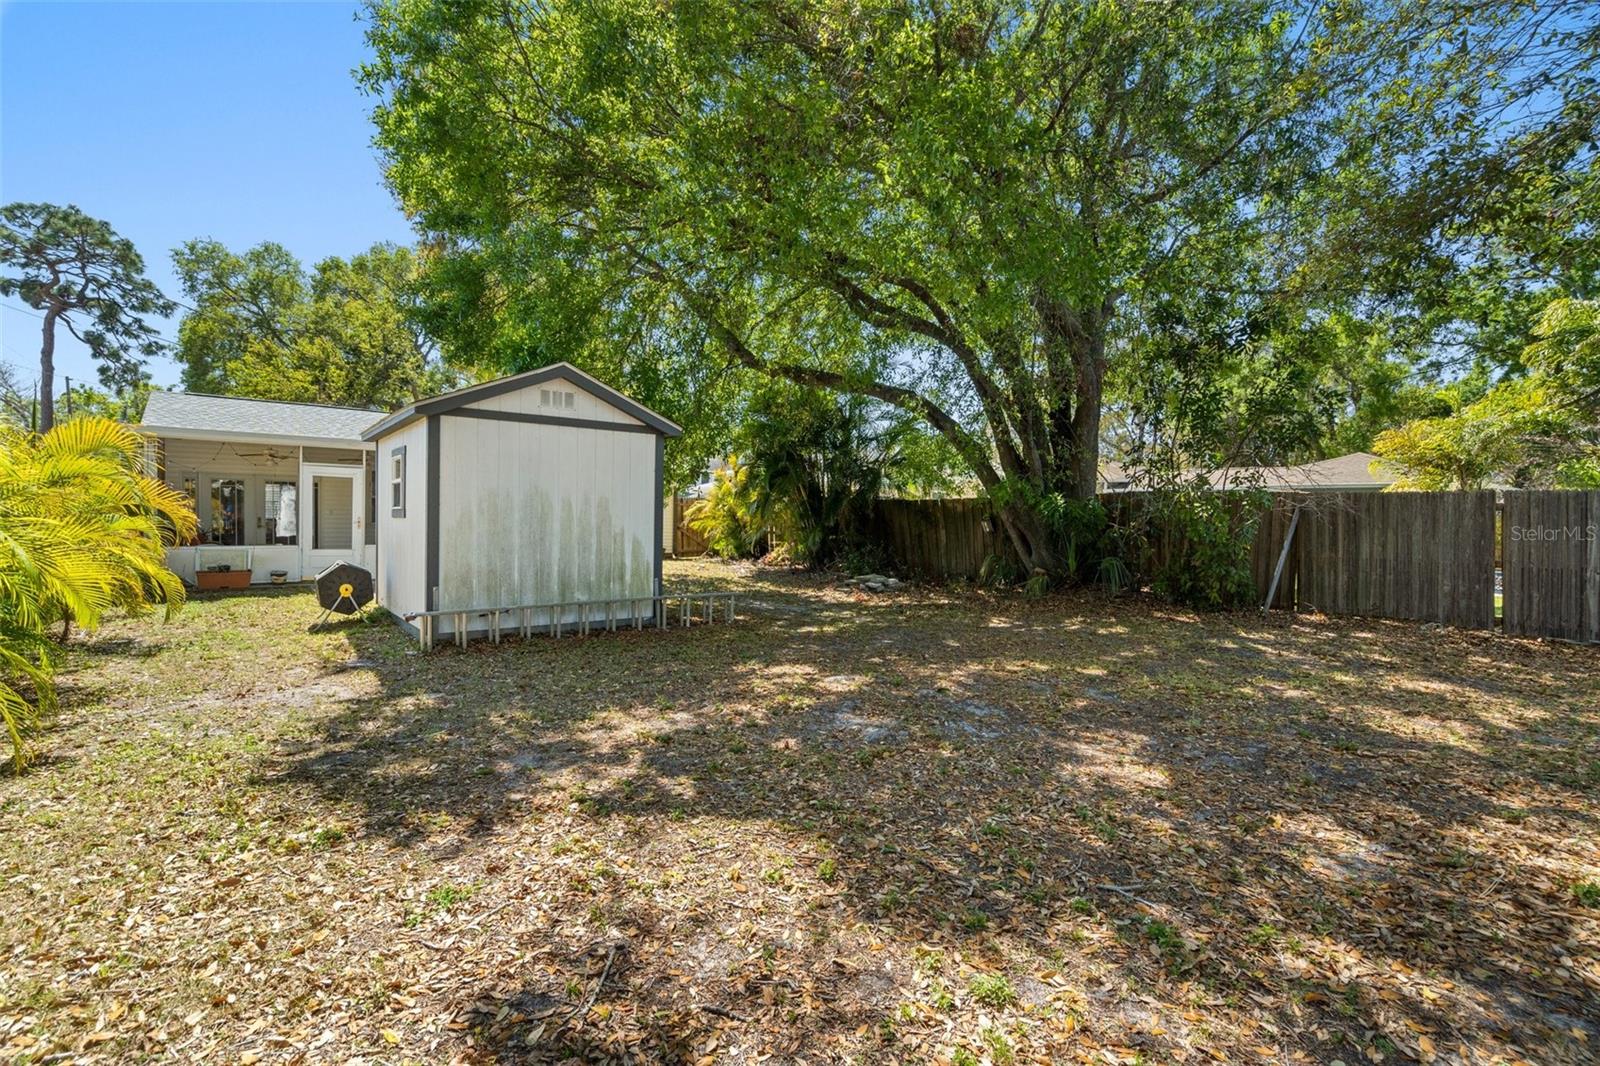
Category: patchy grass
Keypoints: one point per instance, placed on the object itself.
(992, 990)
(1120, 829)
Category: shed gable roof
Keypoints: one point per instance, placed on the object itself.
(235, 416)
(450, 401)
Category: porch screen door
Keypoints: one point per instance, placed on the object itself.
(332, 506)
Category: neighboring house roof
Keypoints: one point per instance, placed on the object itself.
(1114, 477)
(197, 414)
(482, 391)
(1342, 472)
(1353, 472)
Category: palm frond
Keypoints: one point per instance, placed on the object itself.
(83, 530)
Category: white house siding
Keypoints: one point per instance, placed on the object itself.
(402, 542)
(262, 561)
(539, 513)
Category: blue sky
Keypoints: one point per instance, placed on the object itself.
(237, 121)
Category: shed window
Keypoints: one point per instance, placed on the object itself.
(397, 482)
(558, 398)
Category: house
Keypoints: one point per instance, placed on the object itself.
(1355, 472)
(278, 487)
(542, 489)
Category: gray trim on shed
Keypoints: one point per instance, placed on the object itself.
(430, 592)
(661, 445)
(550, 420)
(453, 402)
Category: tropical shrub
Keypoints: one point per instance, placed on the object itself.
(83, 531)
(821, 462)
(809, 471)
(731, 517)
(1201, 545)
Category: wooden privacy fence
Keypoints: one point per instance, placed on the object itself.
(1551, 576)
(1426, 556)
(943, 539)
(1422, 556)
(686, 540)
(953, 539)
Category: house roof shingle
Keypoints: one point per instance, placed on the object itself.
(1353, 471)
(233, 416)
(1356, 471)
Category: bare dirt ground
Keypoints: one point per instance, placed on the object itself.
(946, 826)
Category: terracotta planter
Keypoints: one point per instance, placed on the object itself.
(208, 580)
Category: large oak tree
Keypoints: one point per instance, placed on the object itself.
(342, 333)
(968, 210)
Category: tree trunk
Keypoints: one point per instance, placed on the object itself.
(1089, 355)
(1075, 357)
(47, 372)
(1027, 533)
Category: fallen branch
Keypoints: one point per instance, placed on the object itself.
(721, 1012)
(1126, 892)
(588, 1001)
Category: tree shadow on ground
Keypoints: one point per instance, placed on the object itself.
(811, 829)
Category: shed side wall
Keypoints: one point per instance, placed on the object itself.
(402, 541)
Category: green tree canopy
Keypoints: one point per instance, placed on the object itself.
(973, 212)
(78, 273)
(344, 333)
(1538, 429)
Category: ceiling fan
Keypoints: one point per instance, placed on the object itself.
(270, 455)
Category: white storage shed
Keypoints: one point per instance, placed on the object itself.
(531, 491)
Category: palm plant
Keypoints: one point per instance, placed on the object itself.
(83, 530)
(821, 462)
(730, 517)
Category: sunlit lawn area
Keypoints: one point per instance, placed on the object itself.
(937, 825)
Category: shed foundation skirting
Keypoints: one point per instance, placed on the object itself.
(638, 612)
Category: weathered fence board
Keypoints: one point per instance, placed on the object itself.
(942, 538)
(686, 540)
(1551, 578)
(1410, 555)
